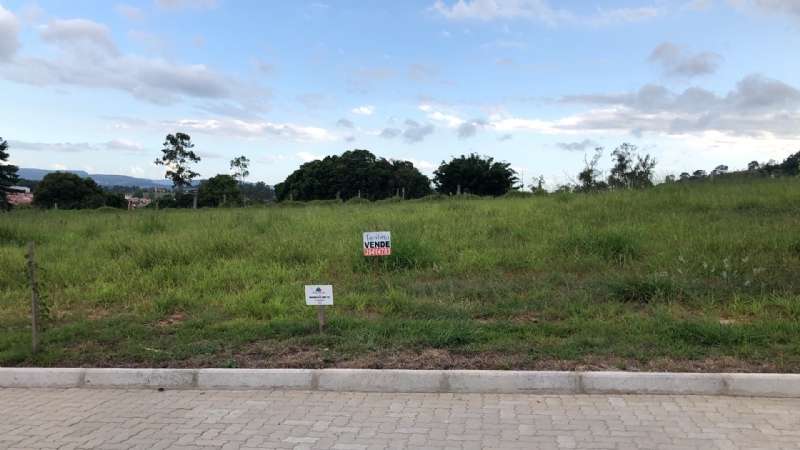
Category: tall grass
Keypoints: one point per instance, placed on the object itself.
(678, 277)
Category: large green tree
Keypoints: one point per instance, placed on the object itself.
(8, 174)
(353, 173)
(68, 191)
(177, 156)
(474, 174)
(221, 190)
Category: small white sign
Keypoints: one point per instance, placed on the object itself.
(377, 243)
(319, 294)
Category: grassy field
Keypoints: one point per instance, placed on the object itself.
(703, 277)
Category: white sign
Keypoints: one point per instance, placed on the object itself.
(377, 243)
(321, 294)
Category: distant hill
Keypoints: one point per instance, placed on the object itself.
(102, 180)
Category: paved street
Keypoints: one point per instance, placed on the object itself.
(148, 419)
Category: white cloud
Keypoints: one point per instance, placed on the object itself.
(499, 9)
(117, 145)
(366, 110)
(176, 5)
(470, 129)
(124, 145)
(437, 113)
(758, 108)
(57, 147)
(581, 146)
(423, 165)
(250, 129)
(345, 123)
(412, 132)
(416, 132)
(9, 34)
(308, 157)
(68, 33)
(677, 61)
(537, 10)
(89, 58)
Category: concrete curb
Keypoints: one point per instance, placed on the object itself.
(441, 381)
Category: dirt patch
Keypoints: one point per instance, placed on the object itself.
(268, 356)
(172, 319)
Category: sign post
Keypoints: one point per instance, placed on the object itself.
(377, 243)
(319, 295)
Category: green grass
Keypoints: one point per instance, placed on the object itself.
(699, 277)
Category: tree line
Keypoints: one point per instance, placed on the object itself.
(356, 174)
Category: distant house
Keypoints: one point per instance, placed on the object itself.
(20, 195)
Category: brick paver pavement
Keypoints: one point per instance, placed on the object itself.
(148, 419)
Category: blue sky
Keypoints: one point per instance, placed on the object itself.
(96, 85)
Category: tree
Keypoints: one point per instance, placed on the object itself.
(354, 173)
(538, 187)
(68, 191)
(239, 166)
(685, 176)
(791, 165)
(258, 192)
(474, 174)
(721, 169)
(8, 175)
(221, 190)
(177, 156)
(590, 175)
(631, 170)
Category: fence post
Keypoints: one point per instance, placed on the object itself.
(34, 298)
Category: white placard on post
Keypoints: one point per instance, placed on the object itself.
(377, 243)
(319, 295)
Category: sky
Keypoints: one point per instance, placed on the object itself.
(97, 85)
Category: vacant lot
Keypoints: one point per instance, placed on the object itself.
(697, 277)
